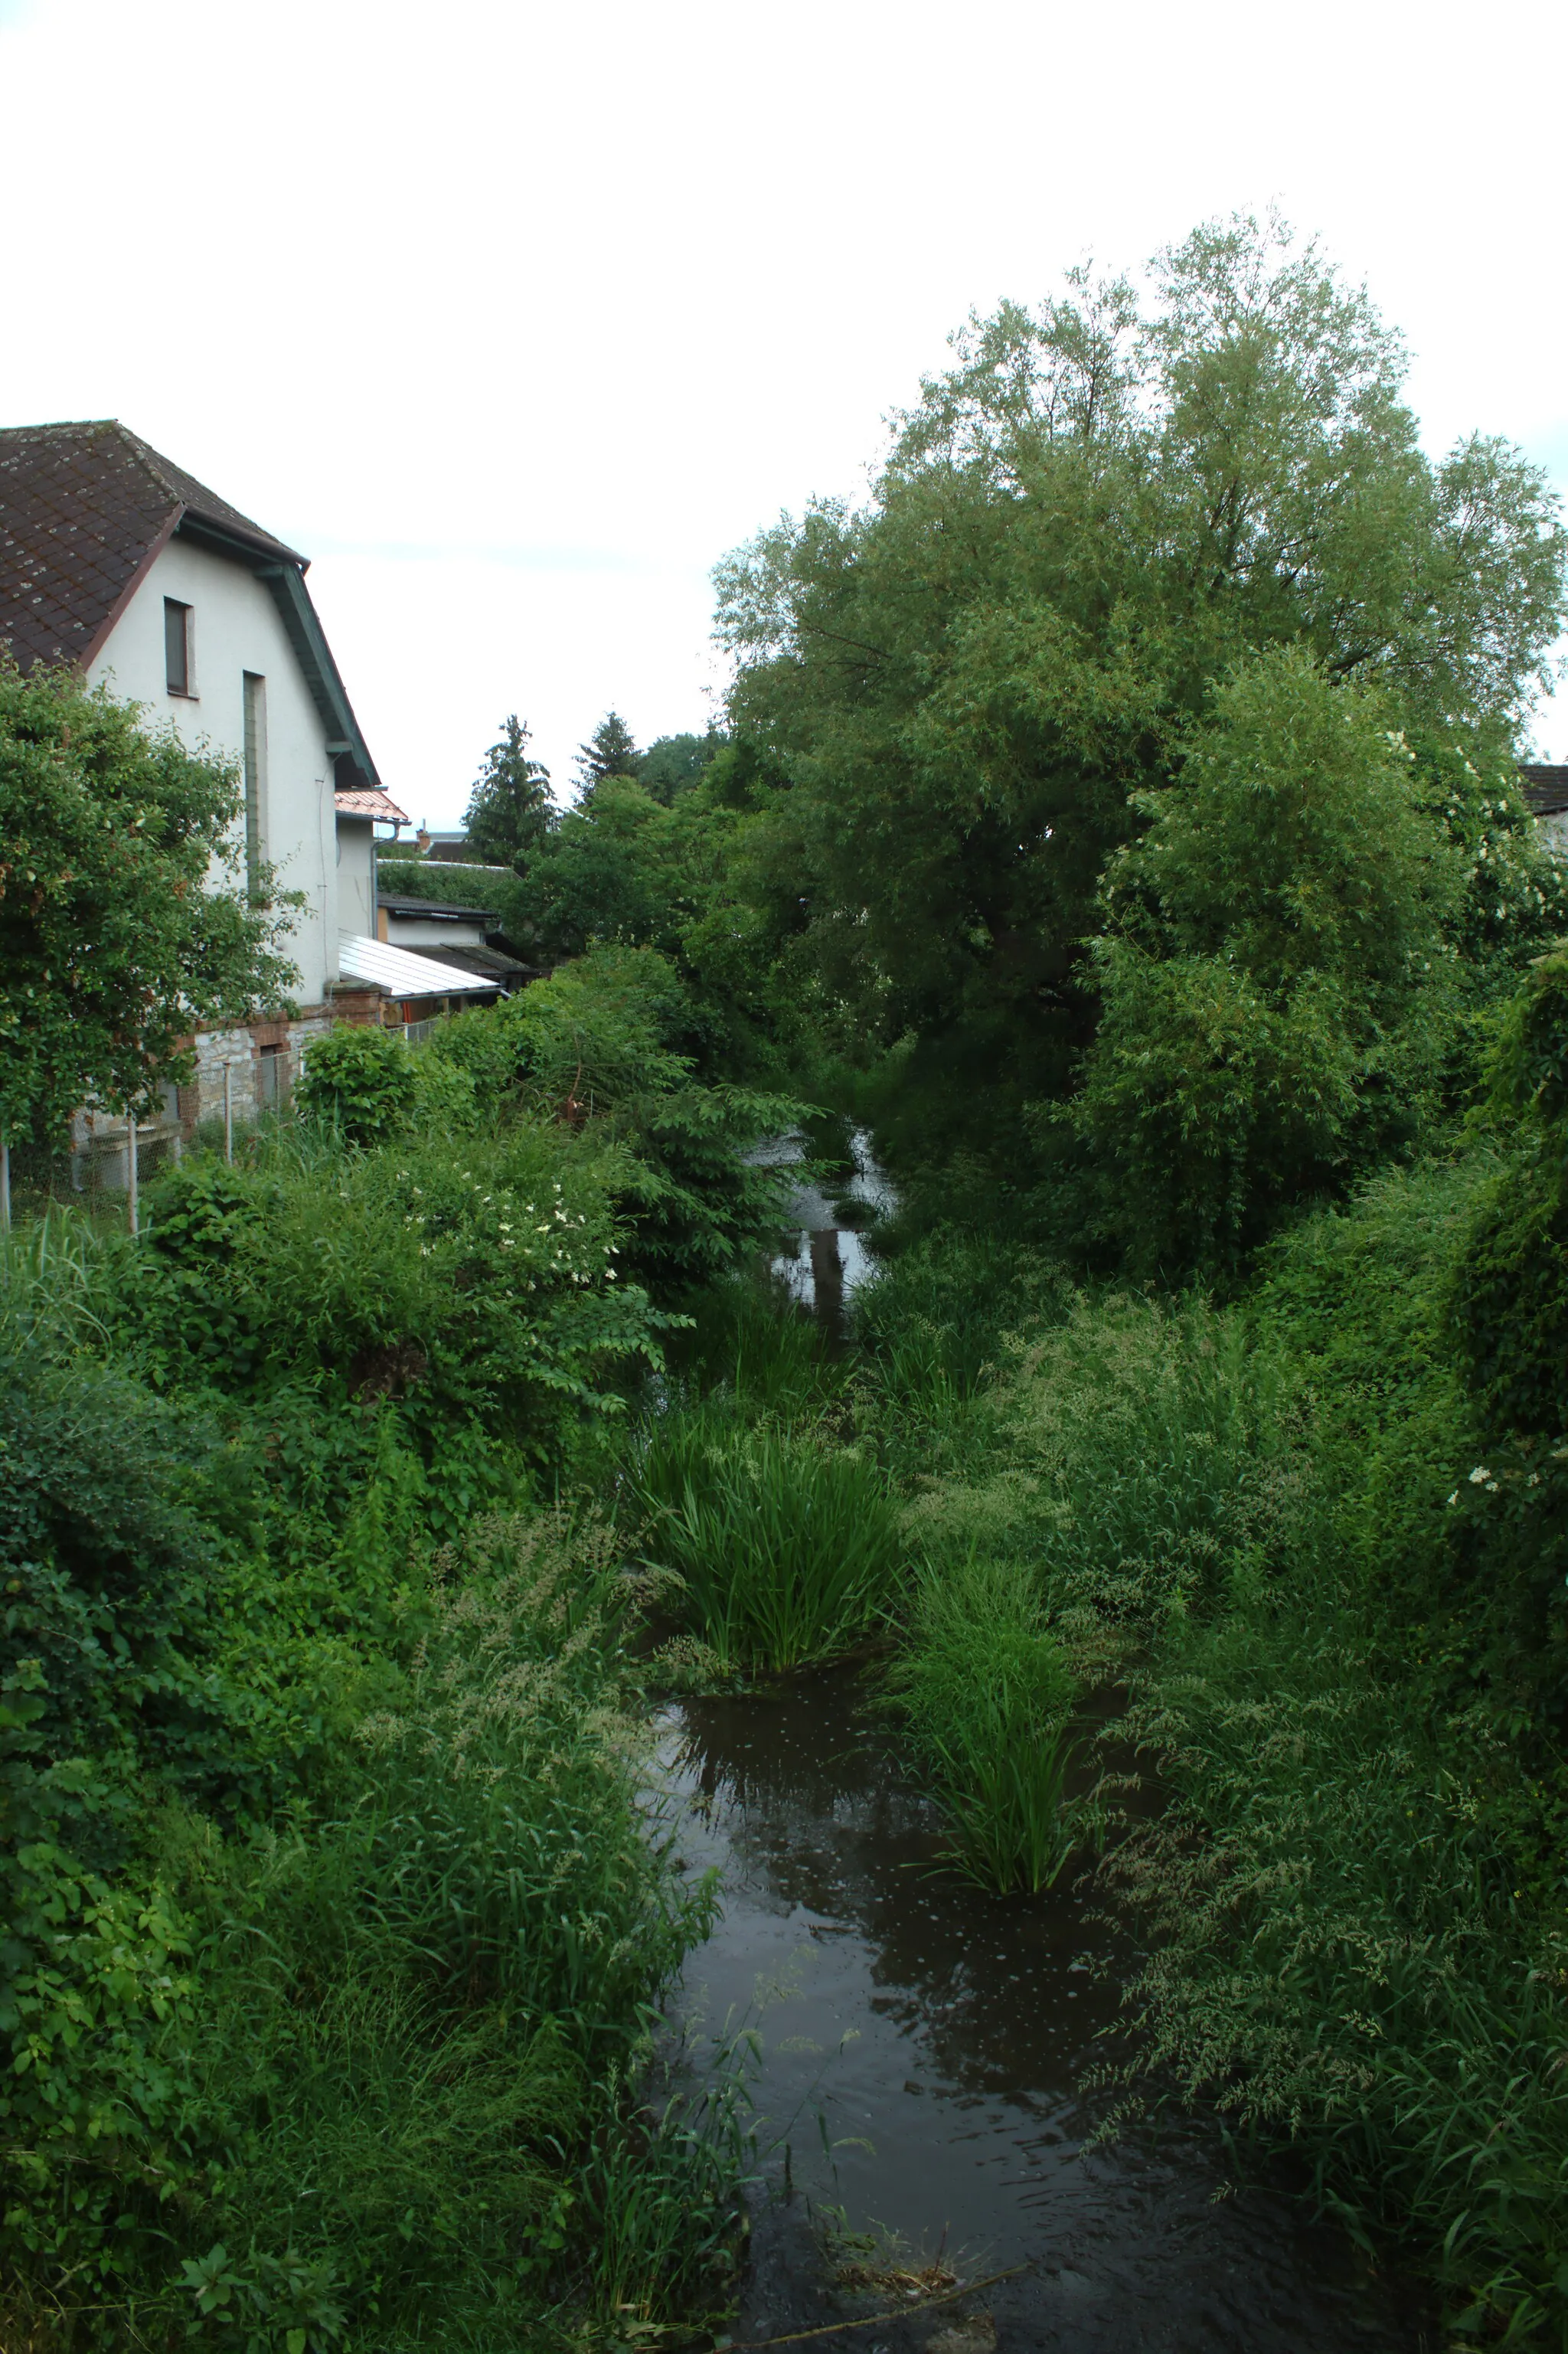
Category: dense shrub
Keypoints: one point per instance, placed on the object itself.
(108, 1572)
(598, 1043)
(315, 2076)
(367, 1085)
(1269, 941)
(1512, 1295)
(475, 1292)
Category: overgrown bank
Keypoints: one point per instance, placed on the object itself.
(1330, 1575)
(337, 1926)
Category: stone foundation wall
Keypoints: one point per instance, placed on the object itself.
(263, 1060)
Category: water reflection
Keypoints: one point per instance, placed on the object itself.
(922, 2048)
(828, 1261)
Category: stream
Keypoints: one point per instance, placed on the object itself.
(921, 2050)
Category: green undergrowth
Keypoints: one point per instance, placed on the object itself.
(337, 1914)
(1332, 1591)
(385, 2052)
(986, 1693)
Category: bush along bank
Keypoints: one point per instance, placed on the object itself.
(336, 1922)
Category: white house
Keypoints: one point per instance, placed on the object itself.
(116, 561)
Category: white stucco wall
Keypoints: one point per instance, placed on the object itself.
(236, 627)
(356, 877)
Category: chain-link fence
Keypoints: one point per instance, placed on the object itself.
(107, 1159)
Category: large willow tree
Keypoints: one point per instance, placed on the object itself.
(974, 681)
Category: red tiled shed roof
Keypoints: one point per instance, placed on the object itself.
(375, 804)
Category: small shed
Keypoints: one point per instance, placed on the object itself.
(412, 988)
(1546, 788)
(451, 930)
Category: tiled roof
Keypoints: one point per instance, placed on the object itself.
(1544, 787)
(83, 508)
(375, 803)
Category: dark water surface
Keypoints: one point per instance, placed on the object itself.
(933, 2039)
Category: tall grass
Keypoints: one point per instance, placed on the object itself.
(440, 2001)
(986, 1692)
(58, 1279)
(1129, 1455)
(752, 1344)
(1352, 1901)
(1346, 1950)
(787, 1550)
(406, 2029)
(934, 1322)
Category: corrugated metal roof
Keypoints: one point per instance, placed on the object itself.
(401, 974)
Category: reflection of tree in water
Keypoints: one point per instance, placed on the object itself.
(818, 1810)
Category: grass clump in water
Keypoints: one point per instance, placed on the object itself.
(786, 1552)
(987, 1693)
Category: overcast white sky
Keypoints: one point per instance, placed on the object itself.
(514, 317)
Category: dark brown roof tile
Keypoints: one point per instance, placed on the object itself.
(83, 508)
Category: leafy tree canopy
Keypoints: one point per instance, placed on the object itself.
(1266, 942)
(509, 811)
(1101, 505)
(124, 917)
(673, 763)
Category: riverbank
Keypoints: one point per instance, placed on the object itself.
(1263, 1519)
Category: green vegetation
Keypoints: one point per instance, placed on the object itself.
(509, 811)
(1121, 812)
(786, 1551)
(987, 1691)
(1113, 549)
(110, 840)
(336, 1919)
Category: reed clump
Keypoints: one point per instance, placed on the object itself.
(786, 1548)
(987, 1694)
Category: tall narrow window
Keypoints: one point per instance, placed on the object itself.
(177, 645)
(255, 779)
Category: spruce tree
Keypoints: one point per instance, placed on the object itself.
(610, 751)
(509, 811)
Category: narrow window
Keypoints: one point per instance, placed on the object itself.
(177, 645)
(255, 779)
(272, 1077)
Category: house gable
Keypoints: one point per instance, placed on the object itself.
(85, 512)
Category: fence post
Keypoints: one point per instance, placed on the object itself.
(4, 1186)
(130, 1171)
(228, 1114)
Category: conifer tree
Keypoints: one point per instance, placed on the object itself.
(610, 751)
(509, 811)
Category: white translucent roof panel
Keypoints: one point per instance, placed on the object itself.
(402, 974)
